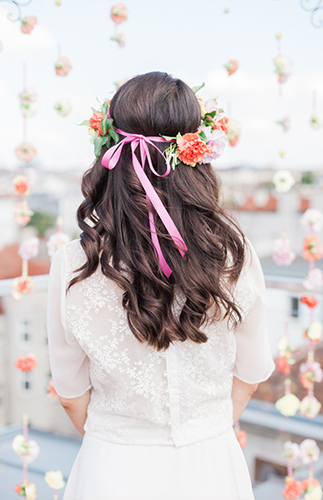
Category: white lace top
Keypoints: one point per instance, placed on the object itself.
(140, 395)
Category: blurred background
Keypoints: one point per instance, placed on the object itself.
(262, 60)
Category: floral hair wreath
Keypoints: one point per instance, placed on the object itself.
(203, 146)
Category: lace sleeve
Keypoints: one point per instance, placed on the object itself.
(254, 362)
(68, 361)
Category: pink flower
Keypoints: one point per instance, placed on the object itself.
(25, 152)
(310, 452)
(312, 249)
(283, 255)
(293, 489)
(291, 450)
(62, 66)
(29, 248)
(312, 371)
(231, 66)
(119, 13)
(26, 363)
(216, 142)
(312, 220)
(314, 280)
(191, 149)
(282, 365)
(55, 241)
(211, 105)
(22, 213)
(28, 23)
(309, 407)
(22, 285)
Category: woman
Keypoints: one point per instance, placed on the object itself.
(160, 339)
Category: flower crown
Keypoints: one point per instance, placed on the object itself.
(203, 146)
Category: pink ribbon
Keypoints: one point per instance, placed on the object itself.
(110, 160)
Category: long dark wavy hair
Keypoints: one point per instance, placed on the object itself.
(115, 226)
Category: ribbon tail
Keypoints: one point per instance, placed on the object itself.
(158, 251)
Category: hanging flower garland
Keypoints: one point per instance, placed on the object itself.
(285, 123)
(293, 488)
(63, 106)
(231, 66)
(62, 65)
(282, 63)
(283, 255)
(27, 24)
(57, 239)
(285, 352)
(283, 181)
(26, 363)
(289, 404)
(29, 106)
(22, 185)
(28, 450)
(310, 452)
(24, 284)
(55, 480)
(316, 120)
(119, 14)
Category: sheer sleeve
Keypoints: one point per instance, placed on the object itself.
(68, 361)
(254, 362)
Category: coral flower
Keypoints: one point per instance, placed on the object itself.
(242, 438)
(26, 363)
(312, 249)
(21, 185)
(25, 152)
(51, 390)
(309, 300)
(293, 489)
(22, 213)
(22, 286)
(222, 125)
(306, 382)
(95, 121)
(232, 67)
(282, 365)
(28, 23)
(119, 13)
(310, 482)
(62, 66)
(191, 149)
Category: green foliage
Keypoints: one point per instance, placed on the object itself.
(308, 178)
(199, 87)
(42, 222)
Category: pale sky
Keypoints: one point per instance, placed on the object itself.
(189, 39)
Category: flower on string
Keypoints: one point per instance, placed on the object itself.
(55, 241)
(312, 220)
(26, 489)
(120, 38)
(119, 13)
(314, 331)
(309, 482)
(22, 213)
(312, 249)
(29, 248)
(285, 123)
(291, 451)
(29, 109)
(63, 66)
(283, 181)
(231, 66)
(309, 300)
(312, 489)
(51, 390)
(283, 365)
(316, 122)
(191, 149)
(288, 405)
(234, 132)
(310, 452)
(26, 363)
(27, 450)
(283, 68)
(23, 285)
(293, 489)
(314, 280)
(25, 152)
(63, 106)
(310, 372)
(55, 479)
(283, 255)
(28, 23)
(309, 407)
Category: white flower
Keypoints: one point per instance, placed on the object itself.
(291, 450)
(19, 445)
(283, 181)
(310, 452)
(314, 493)
(288, 405)
(63, 106)
(55, 241)
(29, 248)
(55, 479)
(211, 105)
(314, 331)
(31, 491)
(316, 121)
(314, 280)
(312, 220)
(216, 141)
(309, 407)
(29, 108)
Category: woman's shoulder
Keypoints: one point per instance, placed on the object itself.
(70, 254)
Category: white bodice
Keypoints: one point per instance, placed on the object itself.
(140, 395)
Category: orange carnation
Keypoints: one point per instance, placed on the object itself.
(222, 125)
(95, 121)
(309, 300)
(191, 149)
(312, 249)
(293, 489)
(26, 363)
(282, 365)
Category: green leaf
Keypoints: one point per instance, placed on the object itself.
(104, 125)
(112, 132)
(97, 146)
(105, 108)
(212, 114)
(106, 141)
(202, 136)
(168, 138)
(199, 87)
(179, 136)
(86, 122)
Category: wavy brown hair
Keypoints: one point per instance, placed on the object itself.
(116, 232)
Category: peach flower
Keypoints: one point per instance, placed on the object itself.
(25, 152)
(293, 489)
(191, 149)
(232, 67)
(234, 132)
(28, 23)
(119, 13)
(282, 365)
(242, 438)
(22, 213)
(26, 363)
(51, 390)
(310, 482)
(305, 379)
(222, 125)
(63, 66)
(22, 285)
(312, 249)
(314, 279)
(309, 300)
(21, 185)
(95, 122)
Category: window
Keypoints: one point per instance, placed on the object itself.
(26, 381)
(294, 307)
(26, 331)
(265, 469)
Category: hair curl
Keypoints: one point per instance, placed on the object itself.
(115, 227)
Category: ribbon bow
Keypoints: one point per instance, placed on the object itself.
(110, 160)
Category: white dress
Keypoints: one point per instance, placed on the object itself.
(159, 424)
